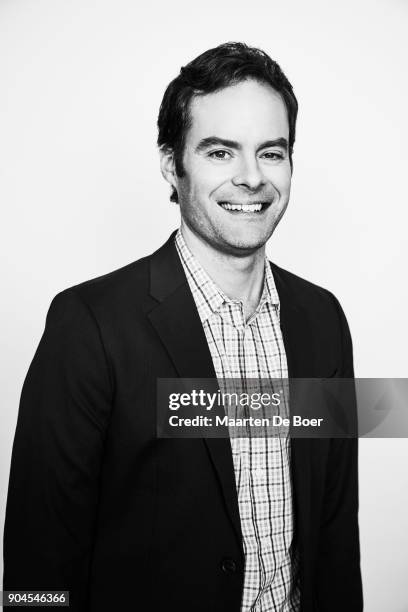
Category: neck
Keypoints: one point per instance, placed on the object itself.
(240, 278)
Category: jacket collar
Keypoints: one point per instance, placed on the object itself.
(169, 286)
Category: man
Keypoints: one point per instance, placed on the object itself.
(98, 505)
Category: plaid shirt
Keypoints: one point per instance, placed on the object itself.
(253, 349)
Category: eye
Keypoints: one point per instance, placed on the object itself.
(273, 155)
(220, 154)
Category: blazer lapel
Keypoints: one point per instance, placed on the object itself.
(299, 345)
(179, 327)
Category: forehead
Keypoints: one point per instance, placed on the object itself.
(244, 111)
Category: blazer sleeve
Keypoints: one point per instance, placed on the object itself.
(56, 459)
(338, 582)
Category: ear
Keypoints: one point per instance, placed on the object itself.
(167, 166)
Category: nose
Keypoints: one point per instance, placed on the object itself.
(249, 174)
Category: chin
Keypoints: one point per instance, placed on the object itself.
(244, 246)
(245, 241)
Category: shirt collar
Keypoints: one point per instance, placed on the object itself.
(208, 296)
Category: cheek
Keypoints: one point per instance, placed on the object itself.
(202, 190)
(189, 190)
(205, 178)
(281, 180)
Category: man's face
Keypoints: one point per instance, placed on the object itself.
(237, 177)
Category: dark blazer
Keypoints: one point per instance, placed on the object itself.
(99, 506)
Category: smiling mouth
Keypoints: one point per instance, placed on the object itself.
(254, 207)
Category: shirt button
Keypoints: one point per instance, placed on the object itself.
(228, 566)
(259, 473)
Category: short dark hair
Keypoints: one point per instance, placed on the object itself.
(213, 70)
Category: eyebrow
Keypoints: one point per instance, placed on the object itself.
(211, 141)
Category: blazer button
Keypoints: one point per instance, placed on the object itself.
(228, 566)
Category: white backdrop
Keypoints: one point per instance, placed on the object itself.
(81, 193)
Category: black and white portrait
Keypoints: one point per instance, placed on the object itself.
(211, 191)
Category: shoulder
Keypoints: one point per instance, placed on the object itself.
(301, 291)
(118, 284)
(113, 293)
(321, 312)
(321, 305)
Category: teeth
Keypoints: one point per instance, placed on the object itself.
(242, 207)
